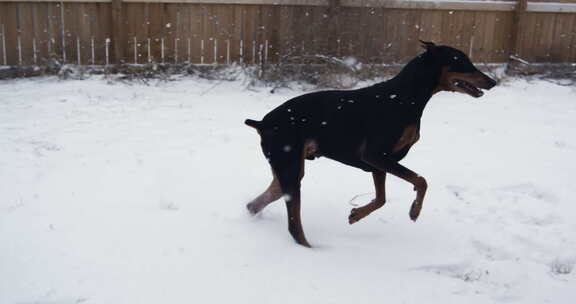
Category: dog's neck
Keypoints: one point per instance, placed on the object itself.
(418, 80)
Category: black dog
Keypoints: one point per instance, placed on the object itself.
(371, 129)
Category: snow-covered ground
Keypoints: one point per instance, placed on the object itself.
(117, 193)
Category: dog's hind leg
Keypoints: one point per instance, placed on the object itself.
(359, 213)
(288, 166)
(272, 193)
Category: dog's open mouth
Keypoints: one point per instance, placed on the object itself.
(468, 88)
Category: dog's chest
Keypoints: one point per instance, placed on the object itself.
(410, 135)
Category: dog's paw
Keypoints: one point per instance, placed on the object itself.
(415, 210)
(253, 209)
(357, 214)
(353, 217)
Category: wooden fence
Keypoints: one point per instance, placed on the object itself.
(253, 31)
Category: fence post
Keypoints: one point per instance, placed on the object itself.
(334, 8)
(117, 31)
(515, 48)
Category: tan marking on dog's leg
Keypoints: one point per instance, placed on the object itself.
(359, 213)
(420, 186)
(272, 193)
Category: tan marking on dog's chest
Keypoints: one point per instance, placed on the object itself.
(409, 137)
(310, 149)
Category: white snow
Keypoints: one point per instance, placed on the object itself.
(117, 193)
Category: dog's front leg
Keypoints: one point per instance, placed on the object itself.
(359, 213)
(383, 163)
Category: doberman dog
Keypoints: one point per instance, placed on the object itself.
(372, 129)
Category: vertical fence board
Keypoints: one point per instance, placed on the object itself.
(78, 30)
(183, 33)
(345, 21)
(572, 32)
(156, 25)
(248, 15)
(488, 42)
(526, 36)
(431, 26)
(26, 32)
(136, 29)
(447, 26)
(381, 38)
(464, 30)
(86, 32)
(3, 12)
(237, 34)
(223, 24)
(367, 43)
(560, 48)
(103, 22)
(271, 16)
(285, 33)
(41, 32)
(478, 51)
(196, 32)
(208, 33)
(502, 37)
(55, 31)
(10, 21)
(320, 21)
(171, 19)
(547, 22)
(71, 25)
(395, 38)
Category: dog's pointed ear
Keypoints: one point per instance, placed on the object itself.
(427, 45)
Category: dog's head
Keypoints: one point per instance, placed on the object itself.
(458, 72)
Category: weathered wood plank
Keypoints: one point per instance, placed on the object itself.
(431, 26)
(26, 33)
(136, 31)
(11, 32)
(502, 37)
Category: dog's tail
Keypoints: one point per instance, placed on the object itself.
(254, 124)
